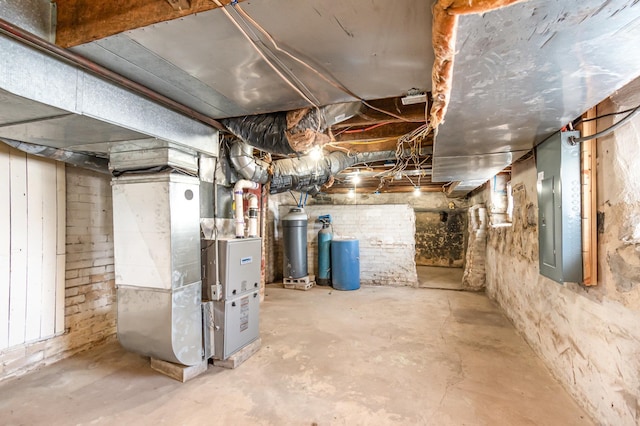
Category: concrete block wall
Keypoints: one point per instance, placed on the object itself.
(588, 336)
(90, 311)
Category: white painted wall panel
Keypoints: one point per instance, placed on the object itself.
(49, 248)
(61, 227)
(32, 247)
(18, 282)
(5, 245)
(35, 194)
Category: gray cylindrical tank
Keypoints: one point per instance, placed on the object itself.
(294, 228)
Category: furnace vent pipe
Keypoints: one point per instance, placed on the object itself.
(238, 193)
(253, 215)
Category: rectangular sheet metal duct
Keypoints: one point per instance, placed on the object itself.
(522, 72)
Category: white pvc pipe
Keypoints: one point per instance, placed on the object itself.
(253, 215)
(238, 191)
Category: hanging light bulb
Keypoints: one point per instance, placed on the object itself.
(315, 153)
(416, 191)
(356, 178)
(351, 193)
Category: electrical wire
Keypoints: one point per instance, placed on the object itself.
(264, 57)
(413, 139)
(585, 120)
(332, 81)
(294, 197)
(605, 132)
(365, 142)
(366, 129)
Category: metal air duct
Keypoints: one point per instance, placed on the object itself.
(298, 174)
(78, 159)
(290, 132)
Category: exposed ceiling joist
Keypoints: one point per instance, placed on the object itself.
(82, 21)
(375, 131)
(414, 113)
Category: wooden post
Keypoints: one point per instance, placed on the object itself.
(589, 203)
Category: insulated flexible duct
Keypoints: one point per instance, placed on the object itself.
(308, 175)
(299, 174)
(290, 132)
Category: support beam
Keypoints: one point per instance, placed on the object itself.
(589, 202)
(370, 116)
(82, 21)
(370, 189)
(386, 131)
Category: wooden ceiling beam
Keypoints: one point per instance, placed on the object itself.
(82, 21)
(369, 116)
(386, 131)
(371, 189)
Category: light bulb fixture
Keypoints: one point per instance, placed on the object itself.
(356, 178)
(416, 191)
(351, 193)
(315, 153)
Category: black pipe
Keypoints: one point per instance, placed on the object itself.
(33, 40)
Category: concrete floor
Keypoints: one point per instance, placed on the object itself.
(439, 277)
(375, 356)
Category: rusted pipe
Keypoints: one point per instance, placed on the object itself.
(41, 44)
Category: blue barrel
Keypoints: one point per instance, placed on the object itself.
(324, 257)
(345, 264)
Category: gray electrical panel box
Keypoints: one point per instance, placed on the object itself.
(559, 208)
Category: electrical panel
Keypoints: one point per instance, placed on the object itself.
(559, 208)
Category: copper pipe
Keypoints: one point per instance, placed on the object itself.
(33, 40)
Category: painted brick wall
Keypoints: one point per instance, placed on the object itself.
(90, 314)
(386, 234)
(403, 217)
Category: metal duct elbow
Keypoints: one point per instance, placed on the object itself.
(91, 162)
(243, 161)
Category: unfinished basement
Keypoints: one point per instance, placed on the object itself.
(280, 212)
